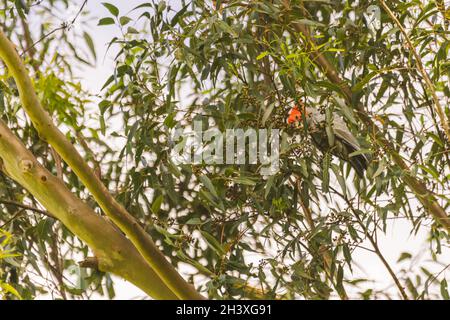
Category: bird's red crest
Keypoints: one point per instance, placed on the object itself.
(295, 115)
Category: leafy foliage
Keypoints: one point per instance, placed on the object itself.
(242, 64)
(6, 253)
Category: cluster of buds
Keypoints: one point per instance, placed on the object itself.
(322, 109)
(337, 218)
(197, 170)
(249, 123)
(249, 99)
(170, 222)
(262, 263)
(377, 154)
(233, 191)
(304, 147)
(184, 239)
(278, 119)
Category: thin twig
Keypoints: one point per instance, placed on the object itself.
(380, 255)
(27, 207)
(58, 267)
(326, 256)
(374, 244)
(63, 26)
(420, 189)
(422, 70)
(18, 213)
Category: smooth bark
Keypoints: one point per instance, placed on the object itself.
(118, 214)
(115, 253)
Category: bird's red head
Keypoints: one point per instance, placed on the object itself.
(295, 115)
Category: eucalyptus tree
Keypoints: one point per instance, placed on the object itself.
(83, 195)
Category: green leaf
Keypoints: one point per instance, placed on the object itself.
(262, 55)
(161, 6)
(267, 113)
(226, 28)
(156, 205)
(339, 178)
(381, 168)
(444, 290)
(124, 20)
(269, 184)
(244, 181)
(340, 277)
(194, 221)
(360, 85)
(111, 8)
(310, 23)
(10, 289)
(22, 5)
(196, 264)
(208, 184)
(360, 151)
(430, 170)
(404, 256)
(110, 287)
(132, 30)
(347, 255)
(90, 44)
(208, 197)
(144, 5)
(326, 172)
(213, 243)
(106, 21)
(345, 109)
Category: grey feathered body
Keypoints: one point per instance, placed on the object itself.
(344, 142)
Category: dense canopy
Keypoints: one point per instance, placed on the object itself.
(90, 186)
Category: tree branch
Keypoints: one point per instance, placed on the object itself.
(383, 260)
(65, 25)
(428, 82)
(18, 213)
(427, 198)
(374, 244)
(89, 262)
(114, 251)
(118, 214)
(326, 256)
